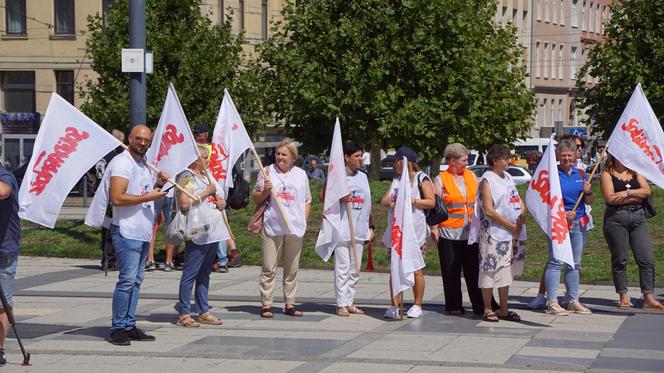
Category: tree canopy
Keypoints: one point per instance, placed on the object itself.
(199, 58)
(417, 72)
(632, 52)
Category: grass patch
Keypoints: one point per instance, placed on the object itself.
(72, 239)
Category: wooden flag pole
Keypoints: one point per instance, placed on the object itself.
(401, 304)
(170, 179)
(211, 181)
(274, 197)
(352, 238)
(590, 178)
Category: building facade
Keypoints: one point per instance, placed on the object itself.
(559, 48)
(42, 50)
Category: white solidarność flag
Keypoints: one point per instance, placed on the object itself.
(229, 140)
(544, 199)
(335, 188)
(638, 139)
(406, 257)
(173, 147)
(67, 146)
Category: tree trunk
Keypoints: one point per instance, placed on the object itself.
(374, 173)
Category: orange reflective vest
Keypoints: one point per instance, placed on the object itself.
(458, 207)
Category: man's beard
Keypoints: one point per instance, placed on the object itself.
(137, 151)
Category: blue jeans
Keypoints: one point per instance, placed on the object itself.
(197, 267)
(222, 254)
(7, 274)
(131, 256)
(577, 237)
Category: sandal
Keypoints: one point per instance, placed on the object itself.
(657, 307)
(343, 312)
(624, 305)
(291, 311)
(209, 319)
(510, 316)
(353, 309)
(490, 317)
(267, 313)
(187, 322)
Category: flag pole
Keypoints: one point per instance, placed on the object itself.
(401, 304)
(169, 179)
(352, 237)
(590, 178)
(274, 197)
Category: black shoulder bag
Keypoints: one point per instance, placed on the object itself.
(438, 213)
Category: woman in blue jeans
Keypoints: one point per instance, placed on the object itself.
(201, 250)
(572, 184)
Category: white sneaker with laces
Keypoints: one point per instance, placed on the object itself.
(391, 313)
(415, 312)
(538, 302)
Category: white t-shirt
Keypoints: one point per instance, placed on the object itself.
(506, 202)
(136, 221)
(366, 158)
(292, 190)
(360, 195)
(419, 219)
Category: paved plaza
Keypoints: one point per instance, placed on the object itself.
(63, 309)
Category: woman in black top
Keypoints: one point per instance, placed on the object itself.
(625, 226)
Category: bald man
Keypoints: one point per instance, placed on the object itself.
(132, 193)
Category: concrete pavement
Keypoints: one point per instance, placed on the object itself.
(63, 308)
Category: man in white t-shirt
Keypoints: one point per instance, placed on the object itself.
(132, 191)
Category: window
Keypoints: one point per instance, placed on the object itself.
(64, 17)
(554, 11)
(105, 6)
(221, 11)
(546, 61)
(583, 16)
(65, 84)
(546, 10)
(561, 62)
(538, 61)
(591, 17)
(572, 63)
(552, 63)
(15, 17)
(597, 20)
(545, 111)
(241, 5)
(18, 88)
(574, 15)
(264, 20)
(562, 12)
(539, 10)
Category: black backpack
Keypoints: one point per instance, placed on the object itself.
(238, 195)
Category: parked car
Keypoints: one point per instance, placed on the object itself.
(519, 174)
(387, 167)
(474, 158)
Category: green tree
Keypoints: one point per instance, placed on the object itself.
(199, 58)
(416, 72)
(632, 52)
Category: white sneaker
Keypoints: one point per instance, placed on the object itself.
(391, 313)
(538, 302)
(415, 312)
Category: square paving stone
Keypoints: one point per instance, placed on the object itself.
(267, 347)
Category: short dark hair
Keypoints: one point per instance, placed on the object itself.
(574, 137)
(351, 148)
(497, 152)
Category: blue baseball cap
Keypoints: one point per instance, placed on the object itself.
(407, 152)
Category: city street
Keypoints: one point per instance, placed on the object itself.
(63, 309)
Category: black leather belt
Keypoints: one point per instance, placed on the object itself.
(626, 207)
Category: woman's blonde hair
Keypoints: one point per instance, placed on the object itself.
(204, 150)
(289, 144)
